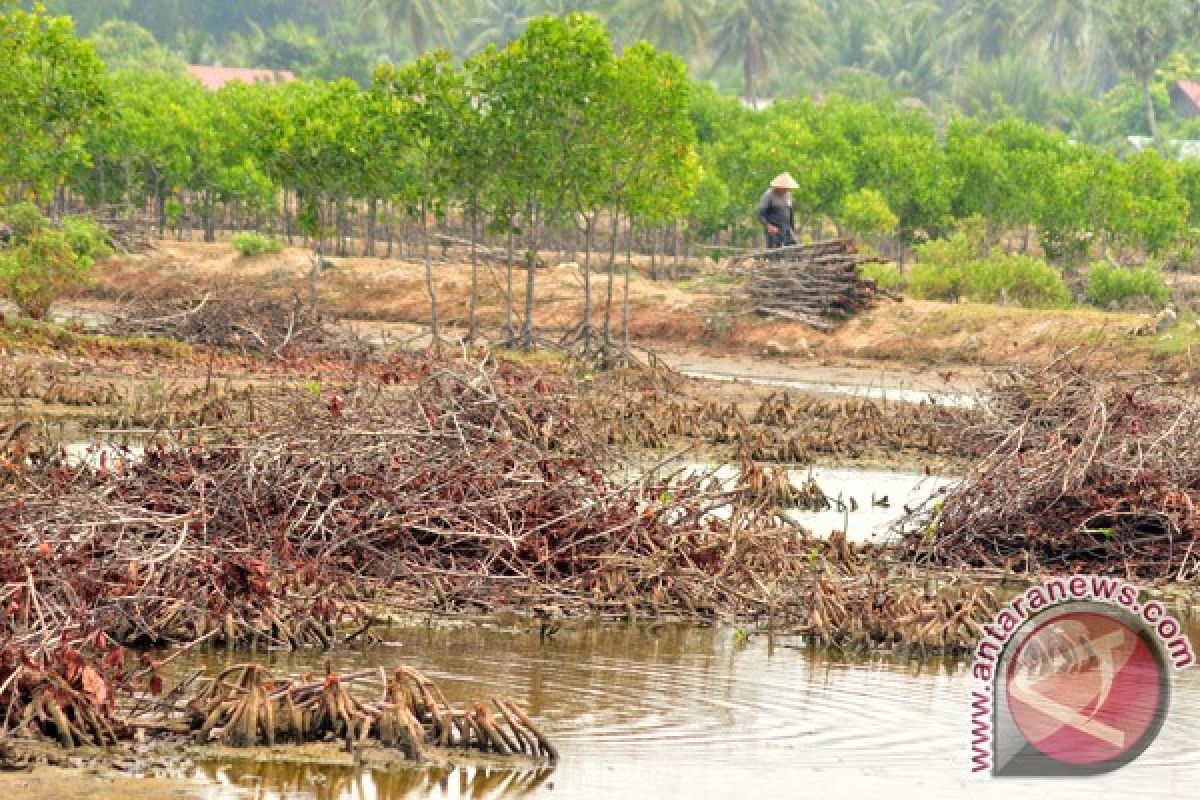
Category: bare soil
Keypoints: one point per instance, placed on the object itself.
(89, 783)
(694, 316)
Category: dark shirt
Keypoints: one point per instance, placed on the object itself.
(774, 209)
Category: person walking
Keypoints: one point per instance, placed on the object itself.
(775, 212)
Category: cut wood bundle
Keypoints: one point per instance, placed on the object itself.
(819, 284)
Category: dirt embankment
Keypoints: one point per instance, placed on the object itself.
(695, 316)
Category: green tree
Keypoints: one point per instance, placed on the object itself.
(434, 101)
(544, 94)
(983, 28)
(1010, 85)
(125, 45)
(312, 134)
(866, 212)
(52, 87)
(649, 149)
(39, 270)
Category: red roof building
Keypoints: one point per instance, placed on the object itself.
(213, 78)
(1185, 99)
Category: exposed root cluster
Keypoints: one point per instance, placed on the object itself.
(786, 428)
(245, 706)
(868, 614)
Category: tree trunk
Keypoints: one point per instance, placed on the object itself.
(1151, 117)
(160, 207)
(612, 270)
(318, 257)
(472, 321)
(585, 328)
(530, 279)
(435, 330)
(341, 224)
(287, 217)
(372, 219)
(509, 331)
(625, 297)
(387, 227)
(210, 230)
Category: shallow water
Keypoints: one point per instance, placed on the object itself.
(692, 713)
(897, 393)
(881, 497)
(867, 503)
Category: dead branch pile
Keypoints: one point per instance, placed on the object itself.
(475, 489)
(243, 320)
(1083, 470)
(130, 235)
(818, 284)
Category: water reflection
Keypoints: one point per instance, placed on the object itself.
(277, 781)
(648, 712)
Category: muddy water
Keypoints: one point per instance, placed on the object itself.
(896, 392)
(865, 503)
(694, 714)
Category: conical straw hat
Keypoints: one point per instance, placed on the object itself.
(785, 181)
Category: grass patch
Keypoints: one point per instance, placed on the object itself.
(34, 336)
(1180, 341)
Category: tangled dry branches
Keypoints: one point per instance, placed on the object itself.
(1083, 470)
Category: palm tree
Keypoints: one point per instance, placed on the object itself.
(852, 27)
(1010, 82)
(908, 55)
(426, 21)
(985, 28)
(676, 25)
(1141, 36)
(497, 22)
(563, 7)
(1063, 27)
(756, 33)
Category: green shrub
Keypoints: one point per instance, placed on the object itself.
(927, 281)
(953, 251)
(25, 219)
(1109, 283)
(949, 269)
(1024, 280)
(886, 276)
(87, 238)
(255, 244)
(39, 270)
(866, 211)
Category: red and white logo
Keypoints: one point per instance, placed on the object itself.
(1085, 688)
(1073, 677)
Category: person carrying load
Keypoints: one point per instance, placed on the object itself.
(775, 212)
